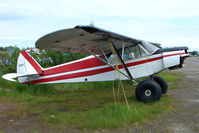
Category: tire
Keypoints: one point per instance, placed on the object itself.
(162, 82)
(148, 91)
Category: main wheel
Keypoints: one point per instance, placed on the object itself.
(148, 91)
(162, 82)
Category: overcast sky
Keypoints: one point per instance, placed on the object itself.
(169, 22)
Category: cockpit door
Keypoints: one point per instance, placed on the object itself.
(170, 59)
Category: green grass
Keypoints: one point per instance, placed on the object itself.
(109, 116)
(7, 84)
(86, 105)
(170, 77)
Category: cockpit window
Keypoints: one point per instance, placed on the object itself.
(128, 53)
(133, 52)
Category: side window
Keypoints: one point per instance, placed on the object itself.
(133, 52)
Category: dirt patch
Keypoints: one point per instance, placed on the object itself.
(6, 106)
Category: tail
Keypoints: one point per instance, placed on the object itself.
(26, 66)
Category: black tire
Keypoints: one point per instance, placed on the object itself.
(162, 82)
(148, 91)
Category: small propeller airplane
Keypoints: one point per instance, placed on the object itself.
(109, 52)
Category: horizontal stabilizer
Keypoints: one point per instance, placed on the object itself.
(12, 76)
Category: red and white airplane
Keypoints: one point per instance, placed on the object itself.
(130, 58)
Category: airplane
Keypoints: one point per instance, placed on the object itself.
(112, 57)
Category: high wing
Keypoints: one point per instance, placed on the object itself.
(80, 38)
(95, 41)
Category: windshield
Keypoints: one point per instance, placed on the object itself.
(149, 47)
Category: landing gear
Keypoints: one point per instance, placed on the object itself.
(162, 82)
(148, 91)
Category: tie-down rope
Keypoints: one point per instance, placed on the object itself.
(120, 82)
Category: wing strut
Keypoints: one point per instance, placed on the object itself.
(121, 60)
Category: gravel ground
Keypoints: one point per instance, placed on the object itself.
(183, 120)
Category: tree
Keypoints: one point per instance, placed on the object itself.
(48, 58)
(194, 53)
(8, 59)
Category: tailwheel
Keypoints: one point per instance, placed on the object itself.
(148, 91)
(162, 82)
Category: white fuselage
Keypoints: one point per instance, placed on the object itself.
(92, 69)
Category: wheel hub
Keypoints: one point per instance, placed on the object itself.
(147, 93)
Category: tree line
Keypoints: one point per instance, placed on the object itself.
(46, 58)
(194, 53)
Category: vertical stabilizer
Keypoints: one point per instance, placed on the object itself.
(27, 65)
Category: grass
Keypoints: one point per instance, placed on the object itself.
(7, 84)
(86, 105)
(171, 78)
(109, 116)
(196, 129)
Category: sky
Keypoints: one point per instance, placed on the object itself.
(169, 22)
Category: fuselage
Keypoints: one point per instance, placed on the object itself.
(91, 69)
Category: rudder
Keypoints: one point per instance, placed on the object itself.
(27, 65)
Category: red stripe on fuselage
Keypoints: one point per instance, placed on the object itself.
(74, 75)
(84, 64)
(31, 61)
(97, 71)
(171, 55)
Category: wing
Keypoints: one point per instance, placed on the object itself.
(76, 39)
